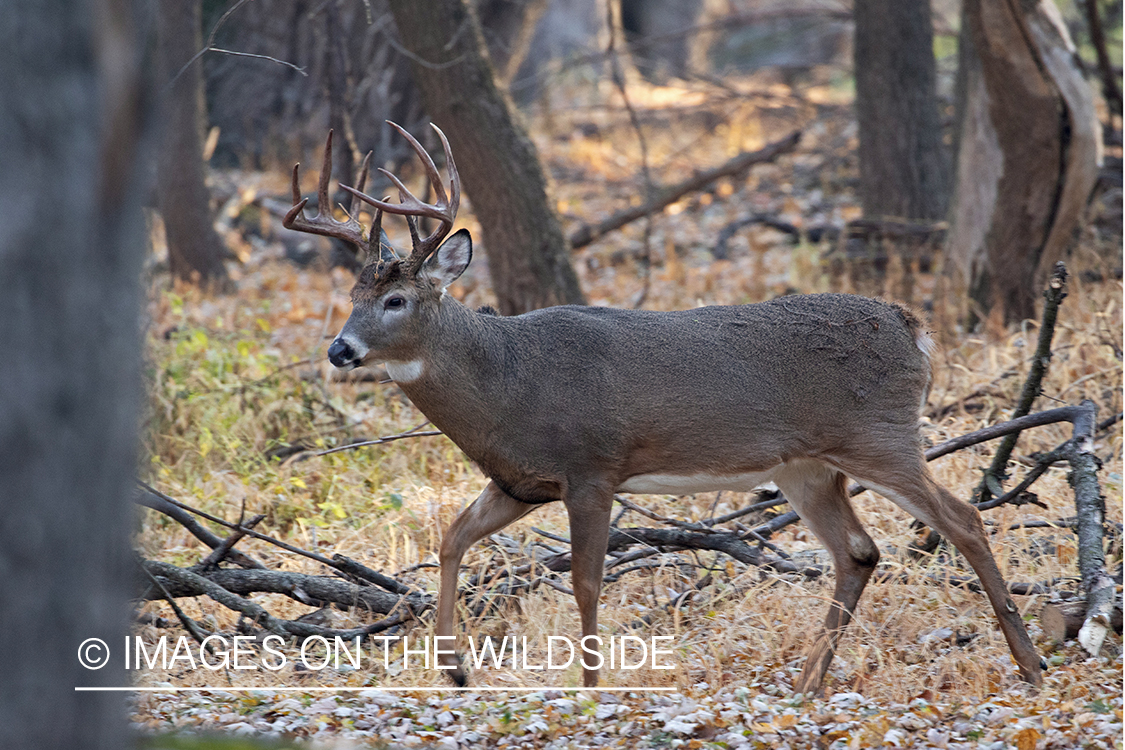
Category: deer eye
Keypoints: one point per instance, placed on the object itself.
(394, 303)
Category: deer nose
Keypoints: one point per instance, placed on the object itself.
(340, 353)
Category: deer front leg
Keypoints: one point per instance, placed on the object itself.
(491, 511)
(589, 512)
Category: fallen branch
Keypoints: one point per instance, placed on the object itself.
(161, 503)
(345, 567)
(180, 582)
(587, 233)
(776, 500)
(1090, 504)
(725, 542)
(190, 625)
(314, 591)
(1062, 621)
(221, 552)
(1108, 422)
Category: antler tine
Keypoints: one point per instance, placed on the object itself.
(409, 204)
(427, 163)
(414, 241)
(323, 223)
(451, 167)
(296, 184)
(375, 239)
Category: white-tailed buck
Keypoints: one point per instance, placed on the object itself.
(577, 403)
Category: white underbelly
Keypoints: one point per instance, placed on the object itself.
(689, 484)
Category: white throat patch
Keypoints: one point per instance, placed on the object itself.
(405, 372)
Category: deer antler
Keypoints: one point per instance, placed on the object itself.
(323, 223)
(444, 209)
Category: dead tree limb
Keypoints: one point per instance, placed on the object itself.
(162, 504)
(1062, 621)
(359, 570)
(992, 483)
(346, 567)
(1015, 495)
(1090, 504)
(983, 435)
(227, 586)
(1038, 419)
(1108, 422)
(191, 626)
(725, 542)
(773, 502)
(586, 234)
(223, 550)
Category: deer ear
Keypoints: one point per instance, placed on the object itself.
(450, 260)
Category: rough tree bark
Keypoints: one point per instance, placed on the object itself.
(194, 249)
(528, 256)
(70, 259)
(1028, 152)
(903, 167)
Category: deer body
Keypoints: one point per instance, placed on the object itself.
(631, 398)
(575, 403)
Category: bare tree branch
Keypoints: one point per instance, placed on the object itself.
(221, 586)
(661, 197)
(994, 476)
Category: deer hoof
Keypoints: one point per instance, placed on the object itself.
(460, 679)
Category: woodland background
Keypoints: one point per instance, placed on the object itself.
(665, 155)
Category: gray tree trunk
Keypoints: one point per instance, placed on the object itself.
(655, 33)
(195, 252)
(903, 167)
(1028, 153)
(70, 258)
(528, 256)
(508, 26)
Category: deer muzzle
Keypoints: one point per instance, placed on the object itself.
(341, 354)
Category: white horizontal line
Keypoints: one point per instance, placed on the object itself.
(482, 689)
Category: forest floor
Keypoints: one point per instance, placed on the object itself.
(235, 381)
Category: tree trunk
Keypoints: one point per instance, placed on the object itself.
(528, 256)
(70, 259)
(903, 167)
(1028, 153)
(508, 26)
(654, 32)
(194, 249)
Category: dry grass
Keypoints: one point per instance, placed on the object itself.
(220, 400)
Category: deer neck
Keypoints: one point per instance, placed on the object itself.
(452, 378)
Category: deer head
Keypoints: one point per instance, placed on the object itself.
(394, 298)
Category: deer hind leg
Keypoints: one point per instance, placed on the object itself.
(819, 495)
(491, 511)
(907, 482)
(589, 511)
